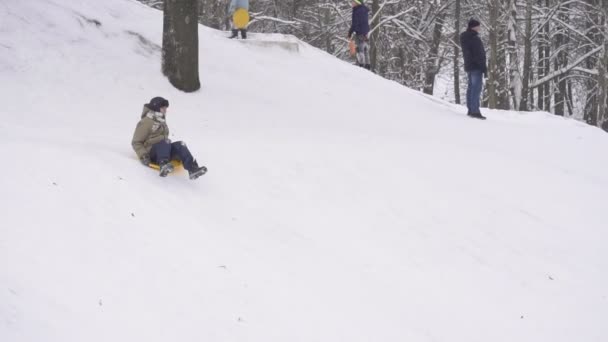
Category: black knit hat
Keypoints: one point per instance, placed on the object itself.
(157, 103)
(473, 23)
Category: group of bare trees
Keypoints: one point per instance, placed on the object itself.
(549, 55)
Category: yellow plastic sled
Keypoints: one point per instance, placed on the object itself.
(177, 165)
(240, 19)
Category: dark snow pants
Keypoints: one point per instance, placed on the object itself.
(165, 151)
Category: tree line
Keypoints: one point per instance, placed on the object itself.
(543, 55)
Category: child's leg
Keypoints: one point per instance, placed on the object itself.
(362, 50)
(366, 53)
(360, 55)
(234, 30)
(179, 151)
(160, 152)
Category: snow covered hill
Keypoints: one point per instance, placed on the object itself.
(338, 207)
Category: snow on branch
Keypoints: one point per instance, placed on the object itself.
(382, 7)
(391, 18)
(567, 68)
(267, 18)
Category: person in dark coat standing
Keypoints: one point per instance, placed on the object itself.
(360, 27)
(474, 55)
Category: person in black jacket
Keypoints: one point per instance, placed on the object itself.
(474, 56)
(360, 27)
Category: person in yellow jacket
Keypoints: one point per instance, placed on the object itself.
(239, 14)
(152, 145)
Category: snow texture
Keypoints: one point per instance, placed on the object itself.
(338, 206)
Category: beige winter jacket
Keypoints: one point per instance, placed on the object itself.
(148, 132)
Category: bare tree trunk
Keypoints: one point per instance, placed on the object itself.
(540, 67)
(514, 70)
(525, 91)
(570, 99)
(591, 104)
(492, 67)
(456, 42)
(561, 46)
(327, 22)
(502, 80)
(602, 120)
(375, 38)
(180, 44)
(433, 62)
(547, 63)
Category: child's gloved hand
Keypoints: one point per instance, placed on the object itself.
(145, 159)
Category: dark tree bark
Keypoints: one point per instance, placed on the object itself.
(547, 62)
(602, 120)
(525, 92)
(513, 53)
(561, 46)
(502, 71)
(540, 69)
(180, 44)
(456, 42)
(433, 63)
(373, 52)
(592, 100)
(493, 61)
(326, 15)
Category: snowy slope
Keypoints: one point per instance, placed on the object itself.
(338, 206)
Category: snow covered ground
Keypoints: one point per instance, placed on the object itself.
(338, 206)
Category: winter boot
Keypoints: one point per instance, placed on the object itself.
(244, 33)
(165, 168)
(368, 67)
(235, 33)
(477, 116)
(196, 171)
